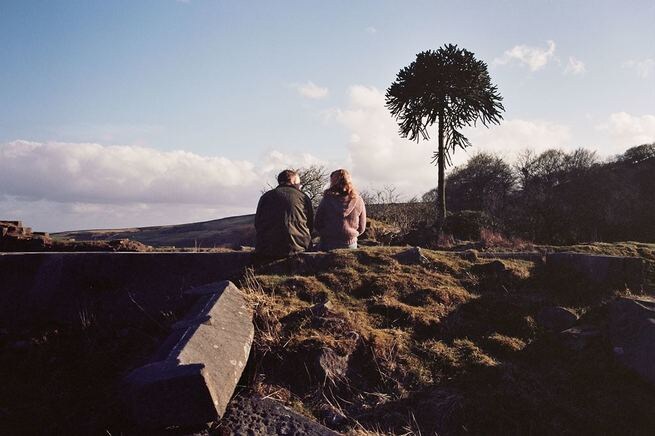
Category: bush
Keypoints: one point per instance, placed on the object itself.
(468, 224)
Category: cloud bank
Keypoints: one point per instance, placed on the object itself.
(63, 186)
(58, 186)
(629, 130)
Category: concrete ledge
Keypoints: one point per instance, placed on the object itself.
(614, 271)
(532, 256)
(113, 287)
(194, 373)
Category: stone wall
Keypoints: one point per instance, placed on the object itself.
(121, 288)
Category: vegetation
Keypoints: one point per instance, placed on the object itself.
(449, 87)
(371, 342)
(557, 197)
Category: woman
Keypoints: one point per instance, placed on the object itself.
(341, 216)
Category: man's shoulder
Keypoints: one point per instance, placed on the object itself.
(291, 192)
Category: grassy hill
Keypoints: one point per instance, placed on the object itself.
(373, 341)
(225, 232)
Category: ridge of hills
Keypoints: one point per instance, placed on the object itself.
(220, 233)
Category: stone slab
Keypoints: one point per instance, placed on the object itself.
(205, 354)
(632, 333)
(531, 256)
(614, 271)
(253, 415)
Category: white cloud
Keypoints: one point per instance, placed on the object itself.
(311, 90)
(644, 68)
(575, 66)
(534, 57)
(57, 186)
(378, 156)
(118, 174)
(371, 30)
(628, 130)
(516, 135)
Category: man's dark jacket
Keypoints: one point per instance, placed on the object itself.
(284, 222)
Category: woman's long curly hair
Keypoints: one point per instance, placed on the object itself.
(341, 183)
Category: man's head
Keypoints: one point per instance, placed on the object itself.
(288, 178)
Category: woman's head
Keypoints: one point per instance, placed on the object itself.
(341, 183)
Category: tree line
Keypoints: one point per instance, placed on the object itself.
(558, 197)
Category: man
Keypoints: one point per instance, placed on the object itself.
(284, 219)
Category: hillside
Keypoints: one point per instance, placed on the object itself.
(226, 232)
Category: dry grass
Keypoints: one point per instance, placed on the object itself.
(447, 346)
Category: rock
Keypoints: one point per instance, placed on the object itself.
(412, 256)
(494, 268)
(253, 415)
(613, 271)
(632, 334)
(556, 318)
(194, 373)
(580, 337)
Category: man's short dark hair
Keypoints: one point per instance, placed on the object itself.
(286, 177)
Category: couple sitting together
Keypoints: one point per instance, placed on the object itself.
(285, 219)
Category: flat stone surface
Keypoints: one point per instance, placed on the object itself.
(632, 333)
(252, 415)
(198, 366)
(616, 271)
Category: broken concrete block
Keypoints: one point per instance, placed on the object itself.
(194, 373)
(615, 271)
(556, 318)
(632, 333)
(263, 416)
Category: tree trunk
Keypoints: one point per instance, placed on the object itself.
(441, 182)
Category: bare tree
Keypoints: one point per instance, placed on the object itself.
(385, 195)
(313, 181)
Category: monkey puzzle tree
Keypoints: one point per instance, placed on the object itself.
(449, 87)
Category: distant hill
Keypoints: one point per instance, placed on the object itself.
(225, 232)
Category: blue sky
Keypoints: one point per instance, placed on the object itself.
(118, 113)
